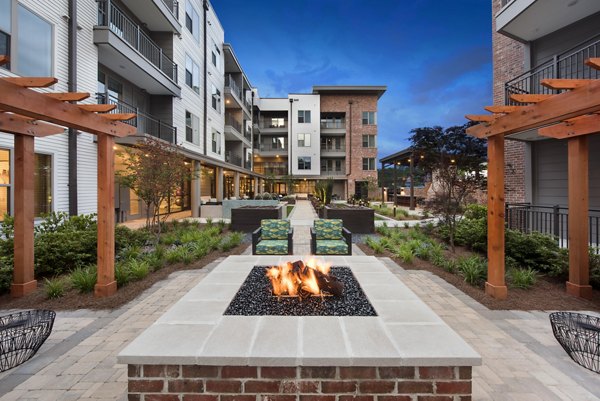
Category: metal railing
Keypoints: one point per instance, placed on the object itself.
(121, 25)
(550, 220)
(333, 148)
(233, 86)
(269, 147)
(173, 7)
(231, 121)
(330, 172)
(268, 123)
(145, 123)
(569, 64)
(233, 159)
(333, 124)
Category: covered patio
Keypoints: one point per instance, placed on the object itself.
(405, 158)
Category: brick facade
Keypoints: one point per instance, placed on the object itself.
(353, 106)
(251, 383)
(509, 62)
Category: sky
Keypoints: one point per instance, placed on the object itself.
(434, 56)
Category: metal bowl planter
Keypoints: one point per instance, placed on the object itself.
(22, 334)
(579, 335)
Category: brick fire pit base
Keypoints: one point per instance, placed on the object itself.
(247, 383)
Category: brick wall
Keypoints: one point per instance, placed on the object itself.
(354, 132)
(251, 383)
(509, 62)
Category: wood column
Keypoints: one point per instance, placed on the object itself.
(579, 261)
(236, 185)
(219, 183)
(195, 193)
(412, 181)
(495, 285)
(106, 284)
(23, 276)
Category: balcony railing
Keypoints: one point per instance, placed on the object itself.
(550, 220)
(333, 124)
(269, 147)
(173, 7)
(569, 65)
(231, 121)
(269, 123)
(271, 168)
(121, 25)
(330, 172)
(233, 159)
(145, 123)
(333, 148)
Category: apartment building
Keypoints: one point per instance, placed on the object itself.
(163, 60)
(329, 133)
(535, 40)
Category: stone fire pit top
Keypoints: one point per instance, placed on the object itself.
(406, 332)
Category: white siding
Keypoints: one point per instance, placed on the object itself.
(312, 103)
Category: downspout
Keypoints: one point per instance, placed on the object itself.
(205, 7)
(72, 133)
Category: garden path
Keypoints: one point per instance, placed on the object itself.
(302, 217)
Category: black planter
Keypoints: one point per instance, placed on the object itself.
(357, 219)
(247, 218)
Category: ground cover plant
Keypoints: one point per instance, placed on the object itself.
(400, 213)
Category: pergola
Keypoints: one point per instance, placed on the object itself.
(403, 157)
(26, 114)
(571, 115)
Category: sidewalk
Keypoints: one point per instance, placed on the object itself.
(302, 217)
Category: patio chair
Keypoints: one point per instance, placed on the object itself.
(330, 237)
(579, 335)
(273, 237)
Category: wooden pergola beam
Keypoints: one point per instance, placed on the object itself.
(593, 62)
(31, 82)
(119, 116)
(4, 59)
(486, 118)
(69, 96)
(529, 98)
(502, 109)
(579, 101)
(564, 84)
(584, 125)
(98, 108)
(23, 101)
(15, 124)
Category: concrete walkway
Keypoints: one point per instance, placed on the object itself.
(302, 217)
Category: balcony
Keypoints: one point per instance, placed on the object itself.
(567, 65)
(528, 20)
(157, 15)
(333, 149)
(233, 130)
(233, 92)
(269, 149)
(125, 48)
(233, 159)
(145, 123)
(332, 172)
(273, 125)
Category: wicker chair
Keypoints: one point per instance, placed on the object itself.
(22, 334)
(579, 335)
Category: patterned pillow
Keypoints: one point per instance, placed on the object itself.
(274, 228)
(329, 228)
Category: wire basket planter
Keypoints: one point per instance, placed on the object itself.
(579, 335)
(22, 334)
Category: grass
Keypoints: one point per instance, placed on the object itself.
(55, 288)
(522, 278)
(289, 209)
(84, 278)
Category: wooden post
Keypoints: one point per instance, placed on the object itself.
(495, 285)
(236, 185)
(412, 181)
(579, 262)
(23, 276)
(106, 284)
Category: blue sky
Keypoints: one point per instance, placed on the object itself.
(434, 56)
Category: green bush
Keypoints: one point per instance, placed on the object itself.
(54, 288)
(84, 278)
(59, 252)
(130, 252)
(522, 278)
(377, 246)
(450, 265)
(231, 241)
(536, 251)
(475, 211)
(405, 252)
(122, 275)
(138, 269)
(473, 269)
(155, 260)
(6, 276)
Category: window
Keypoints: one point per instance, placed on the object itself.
(369, 118)
(42, 185)
(216, 99)
(277, 123)
(368, 141)
(303, 140)
(304, 163)
(192, 123)
(5, 30)
(216, 141)
(5, 183)
(368, 163)
(216, 55)
(303, 116)
(192, 20)
(192, 75)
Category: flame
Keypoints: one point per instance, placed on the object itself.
(286, 280)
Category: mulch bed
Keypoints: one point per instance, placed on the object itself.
(547, 294)
(72, 299)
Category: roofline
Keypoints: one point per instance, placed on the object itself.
(379, 90)
(403, 152)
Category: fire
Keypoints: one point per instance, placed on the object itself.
(299, 279)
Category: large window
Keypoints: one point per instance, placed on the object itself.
(303, 140)
(368, 163)
(192, 124)
(216, 141)
(5, 183)
(276, 122)
(216, 99)
(192, 20)
(32, 51)
(42, 185)
(192, 74)
(216, 56)
(368, 141)
(303, 116)
(304, 163)
(369, 118)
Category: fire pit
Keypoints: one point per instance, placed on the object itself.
(402, 350)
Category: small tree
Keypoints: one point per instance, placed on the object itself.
(456, 161)
(324, 190)
(155, 171)
(290, 182)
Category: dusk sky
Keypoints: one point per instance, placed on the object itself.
(434, 56)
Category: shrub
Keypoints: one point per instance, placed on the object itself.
(450, 265)
(473, 269)
(537, 251)
(54, 288)
(522, 278)
(475, 211)
(84, 278)
(130, 252)
(405, 252)
(122, 276)
(155, 260)
(6, 276)
(376, 246)
(58, 252)
(138, 269)
(231, 241)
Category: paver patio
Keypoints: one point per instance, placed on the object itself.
(521, 358)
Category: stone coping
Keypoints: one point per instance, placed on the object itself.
(406, 331)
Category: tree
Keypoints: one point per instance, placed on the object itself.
(290, 183)
(324, 190)
(155, 171)
(456, 162)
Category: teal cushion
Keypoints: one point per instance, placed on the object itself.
(274, 228)
(328, 228)
(332, 247)
(272, 247)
